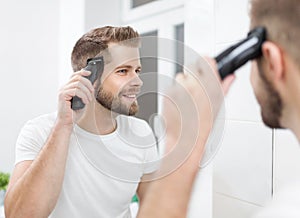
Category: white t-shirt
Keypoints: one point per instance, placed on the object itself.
(102, 171)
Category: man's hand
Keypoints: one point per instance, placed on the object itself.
(79, 86)
(228, 80)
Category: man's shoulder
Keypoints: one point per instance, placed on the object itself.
(40, 125)
(45, 119)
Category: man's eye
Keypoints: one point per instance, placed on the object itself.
(122, 71)
(138, 71)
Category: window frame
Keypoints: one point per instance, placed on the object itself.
(160, 6)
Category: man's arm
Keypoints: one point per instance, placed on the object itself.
(170, 195)
(142, 190)
(35, 185)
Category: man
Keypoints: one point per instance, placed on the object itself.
(87, 163)
(275, 78)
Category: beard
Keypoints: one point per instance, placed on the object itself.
(271, 108)
(115, 104)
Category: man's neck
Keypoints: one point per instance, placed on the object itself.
(295, 125)
(291, 97)
(290, 118)
(98, 120)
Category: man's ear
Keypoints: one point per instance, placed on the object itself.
(274, 62)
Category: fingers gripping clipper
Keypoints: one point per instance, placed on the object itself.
(95, 66)
(237, 55)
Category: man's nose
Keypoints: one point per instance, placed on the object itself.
(136, 80)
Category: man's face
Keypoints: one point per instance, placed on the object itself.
(120, 80)
(266, 95)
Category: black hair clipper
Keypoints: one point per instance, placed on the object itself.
(96, 66)
(237, 55)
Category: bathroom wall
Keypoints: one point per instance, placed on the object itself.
(29, 67)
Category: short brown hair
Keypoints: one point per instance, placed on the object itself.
(282, 19)
(95, 41)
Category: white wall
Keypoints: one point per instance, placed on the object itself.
(71, 28)
(29, 67)
(102, 13)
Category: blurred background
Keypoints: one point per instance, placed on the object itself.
(36, 41)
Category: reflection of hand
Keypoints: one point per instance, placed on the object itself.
(79, 86)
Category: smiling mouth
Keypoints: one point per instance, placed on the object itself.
(130, 97)
(130, 94)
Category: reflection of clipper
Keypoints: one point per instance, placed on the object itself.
(238, 54)
(96, 66)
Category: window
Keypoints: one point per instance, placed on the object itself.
(137, 3)
(148, 101)
(137, 9)
(179, 36)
